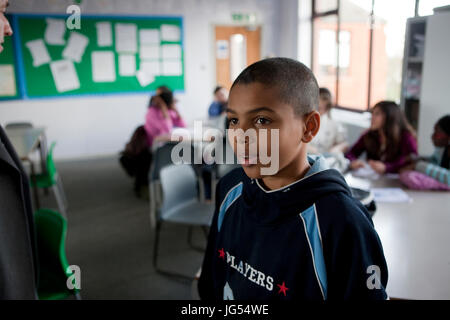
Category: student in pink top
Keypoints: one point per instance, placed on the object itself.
(162, 116)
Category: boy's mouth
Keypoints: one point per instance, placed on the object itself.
(247, 161)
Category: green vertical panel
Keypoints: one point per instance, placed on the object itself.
(39, 80)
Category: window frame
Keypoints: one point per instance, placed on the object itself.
(336, 12)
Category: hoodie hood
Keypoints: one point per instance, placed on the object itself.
(275, 206)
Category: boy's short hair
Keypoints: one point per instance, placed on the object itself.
(295, 82)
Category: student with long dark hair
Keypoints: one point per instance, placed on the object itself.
(389, 143)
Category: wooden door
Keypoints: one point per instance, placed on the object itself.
(225, 40)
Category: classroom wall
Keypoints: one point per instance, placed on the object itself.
(89, 126)
(435, 93)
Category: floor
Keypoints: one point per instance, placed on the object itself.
(110, 238)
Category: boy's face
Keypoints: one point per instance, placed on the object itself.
(256, 106)
(439, 137)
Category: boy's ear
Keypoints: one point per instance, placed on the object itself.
(312, 125)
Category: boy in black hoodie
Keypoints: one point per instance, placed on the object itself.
(295, 233)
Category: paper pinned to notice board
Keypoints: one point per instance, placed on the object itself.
(7, 81)
(149, 51)
(64, 75)
(170, 33)
(151, 67)
(172, 68)
(54, 32)
(103, 66)
(149, 36)
(126, 37)
(171, 51)
(127, 65)
(144, 78)
(38, 52)
(75, 47)
(104, 34)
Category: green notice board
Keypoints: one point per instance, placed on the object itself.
(121, 54)
(8, 71)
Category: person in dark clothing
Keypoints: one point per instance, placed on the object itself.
(18, 255)
(219, 104)
(288, 228)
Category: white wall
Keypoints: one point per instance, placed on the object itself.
(435, 90)
(88, 126)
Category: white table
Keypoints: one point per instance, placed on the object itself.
(416, 242)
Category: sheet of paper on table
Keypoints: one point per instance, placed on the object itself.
(355, 182)
(390, 195)
(366, 172)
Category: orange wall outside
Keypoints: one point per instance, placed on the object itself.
(353, 85)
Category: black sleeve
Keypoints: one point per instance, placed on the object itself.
(356, 266)
(206, 281)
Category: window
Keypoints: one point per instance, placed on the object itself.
(327, 52)
(362, 65)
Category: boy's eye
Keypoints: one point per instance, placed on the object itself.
(233, 121)
(262, 120)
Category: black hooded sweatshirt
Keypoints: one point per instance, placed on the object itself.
(309, 240)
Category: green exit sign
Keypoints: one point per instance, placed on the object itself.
(244, 17)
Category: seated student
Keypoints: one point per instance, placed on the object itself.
(291, 231)
(160, 120)
(162, 116)
(219, 104)
(389, 143)
(432, 172)
(331, 136)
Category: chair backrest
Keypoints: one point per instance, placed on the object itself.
(51, 231)
(179, 185)
(162, 157)
(19, 125)
(51, 168)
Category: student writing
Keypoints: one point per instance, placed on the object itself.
(389, 143)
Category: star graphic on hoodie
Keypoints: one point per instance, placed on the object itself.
(283, 288)
(221, 253)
